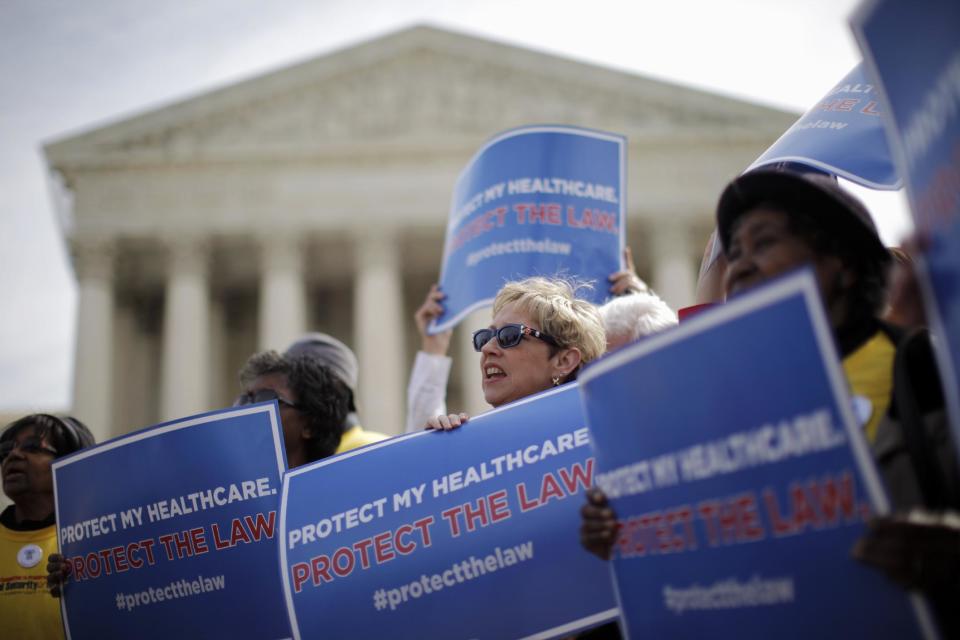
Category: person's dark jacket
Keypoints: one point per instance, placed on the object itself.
(915, 452)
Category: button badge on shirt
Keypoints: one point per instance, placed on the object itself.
(29, 556)
(862, 409)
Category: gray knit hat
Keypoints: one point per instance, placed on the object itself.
(331, 353)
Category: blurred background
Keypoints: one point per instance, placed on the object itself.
(182, 184)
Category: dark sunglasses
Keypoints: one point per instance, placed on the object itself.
(31, 446)
(264, 395)
(509, 336)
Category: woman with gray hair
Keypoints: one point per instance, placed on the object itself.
(540, 337)
(631, 317)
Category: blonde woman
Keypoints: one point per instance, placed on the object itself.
(540, 337)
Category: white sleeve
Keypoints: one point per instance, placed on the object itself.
(427, 393)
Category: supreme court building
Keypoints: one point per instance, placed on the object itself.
(316, 198)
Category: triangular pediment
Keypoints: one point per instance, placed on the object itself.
(419, 86)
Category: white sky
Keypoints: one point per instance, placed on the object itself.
(67, 66)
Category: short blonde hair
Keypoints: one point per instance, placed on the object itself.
(553, 304)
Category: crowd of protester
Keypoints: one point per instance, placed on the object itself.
(541, 336)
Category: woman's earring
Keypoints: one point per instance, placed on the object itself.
(556, 381)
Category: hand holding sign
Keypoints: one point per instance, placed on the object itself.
(626, 280)
(447, 422)
(432, 308)
(598, 526)
(58, 572)
(917, 551)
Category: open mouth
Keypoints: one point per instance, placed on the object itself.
(493, 372)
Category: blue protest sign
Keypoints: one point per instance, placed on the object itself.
(922, 86)
(544, 200)
(842, 135)
(740, 479)
(469, 534)
(170, 531)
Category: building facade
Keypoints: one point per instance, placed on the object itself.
(316, 198)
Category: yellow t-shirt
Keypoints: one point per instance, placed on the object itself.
(27, 610)
(869, 371)
(355, 437)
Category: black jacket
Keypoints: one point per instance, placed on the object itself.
(913, 447)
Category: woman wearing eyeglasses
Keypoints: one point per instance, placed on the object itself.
(28, 532)
(313, 402)
(540, 337)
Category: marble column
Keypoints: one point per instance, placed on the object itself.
(379, 334)
(674, 271)
(93, 366)
(224, 386)
(469, 362)
(283, 305)
(185, 378)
